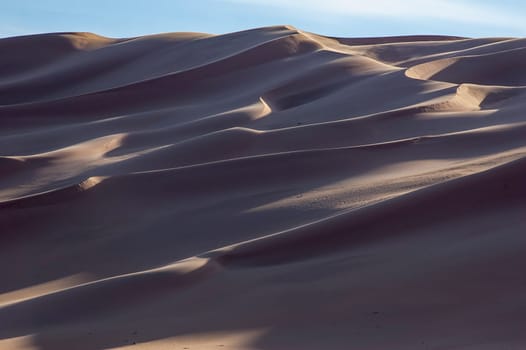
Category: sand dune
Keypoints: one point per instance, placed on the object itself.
(498, 68)
(265, 189)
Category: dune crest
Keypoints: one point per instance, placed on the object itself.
(265, 189)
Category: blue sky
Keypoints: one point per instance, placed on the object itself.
(124, 18)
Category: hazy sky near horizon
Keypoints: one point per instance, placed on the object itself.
(349, 18)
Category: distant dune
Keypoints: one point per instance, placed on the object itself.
(265, 189)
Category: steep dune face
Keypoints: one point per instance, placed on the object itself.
(499, 68)
(265, 189)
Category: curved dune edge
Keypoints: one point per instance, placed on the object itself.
(497, 68)
(265, 189)
(359, 226)
(52, 196)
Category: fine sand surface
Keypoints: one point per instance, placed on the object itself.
(266, 189)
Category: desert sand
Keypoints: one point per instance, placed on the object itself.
(264, 189)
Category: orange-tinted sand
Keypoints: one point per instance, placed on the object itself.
(266, 189)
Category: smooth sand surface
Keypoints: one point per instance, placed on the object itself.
(265, 189)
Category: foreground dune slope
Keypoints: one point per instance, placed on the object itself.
(265, 189)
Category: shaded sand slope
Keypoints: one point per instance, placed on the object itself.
(265, 189)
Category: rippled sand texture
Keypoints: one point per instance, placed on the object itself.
(265, 189)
